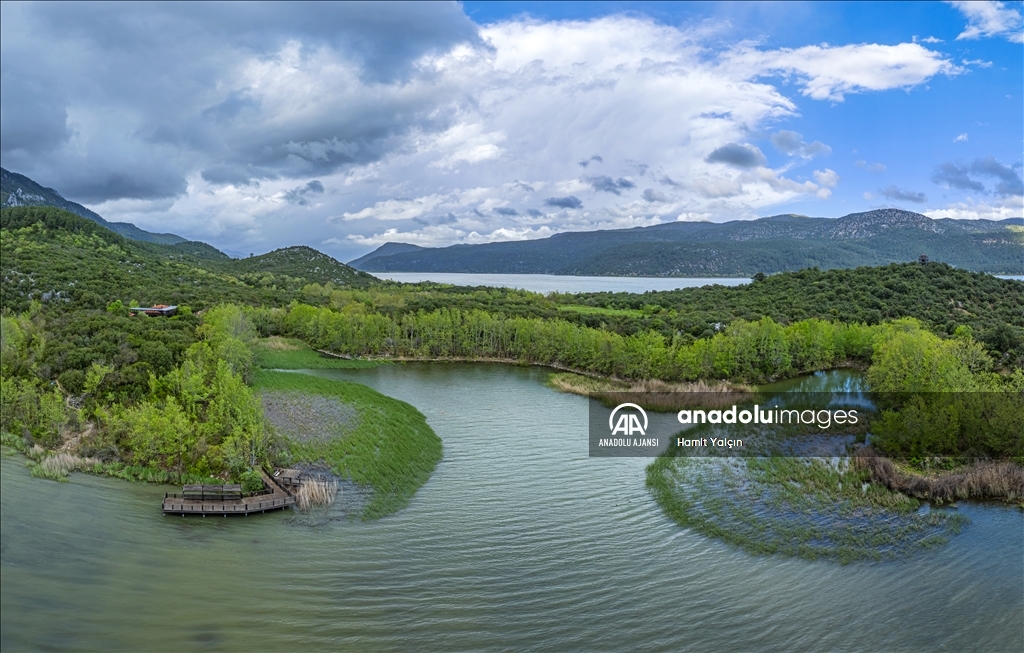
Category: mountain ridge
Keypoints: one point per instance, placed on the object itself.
(18, 190)
(739, 247)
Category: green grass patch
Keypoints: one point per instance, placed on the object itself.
(289, 354)
(389, 448)
(598, 310)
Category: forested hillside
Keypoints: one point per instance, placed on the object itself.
(940, 296)
(59, 259)
(56, 257)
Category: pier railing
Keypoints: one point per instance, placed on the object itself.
(227, 499)
(218, 507)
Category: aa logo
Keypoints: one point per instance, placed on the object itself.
(628, 422)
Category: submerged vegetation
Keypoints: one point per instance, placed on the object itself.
(806, 507)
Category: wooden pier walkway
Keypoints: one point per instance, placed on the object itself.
(227, 499)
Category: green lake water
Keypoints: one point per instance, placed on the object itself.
(519, 541)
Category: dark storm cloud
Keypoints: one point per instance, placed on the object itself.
(609, 185)
(792, 143)
(736, 155)
(1010, 182)
(654, 195)
(236, 175)
(571, 202)
(956, 176)
(33, 119)
(157, 92)
(300, 195)
(364, 31)
(962, 176)
(898, 194)
(232, 106)
(129, 184)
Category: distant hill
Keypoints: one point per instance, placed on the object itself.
(737, 248)
(19, 190)
(304, 262)
(54, 256)
(387, 249)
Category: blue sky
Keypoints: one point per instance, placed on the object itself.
(347, 126)
(903, 130)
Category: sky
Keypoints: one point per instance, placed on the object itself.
(345, 126)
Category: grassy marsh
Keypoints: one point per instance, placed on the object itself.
(277, 353)
(389, 447)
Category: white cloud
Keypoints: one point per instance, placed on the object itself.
(826, 177)
(442, 235)
(790, 142)
(972, 210)
(473, 141)
(990, 19)
(830, 72)
(961, 138)
(397, 209)
(467, 143)
(874, 168)
(715, 187)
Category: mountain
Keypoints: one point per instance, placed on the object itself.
(387, 249)
(737, 248)
(19, 190)
(56, 257)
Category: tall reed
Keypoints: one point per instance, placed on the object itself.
(983, 480)
(314, 492)
(59, 465)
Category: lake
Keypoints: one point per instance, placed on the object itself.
(519, 541)
(545, 283)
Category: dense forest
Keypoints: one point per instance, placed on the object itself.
(146, 396)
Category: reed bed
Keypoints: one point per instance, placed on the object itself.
(57, 466)
(982, 480)
(277, 343)
(316, 492)
(653, 394)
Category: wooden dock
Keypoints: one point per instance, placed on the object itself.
(224, 500)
